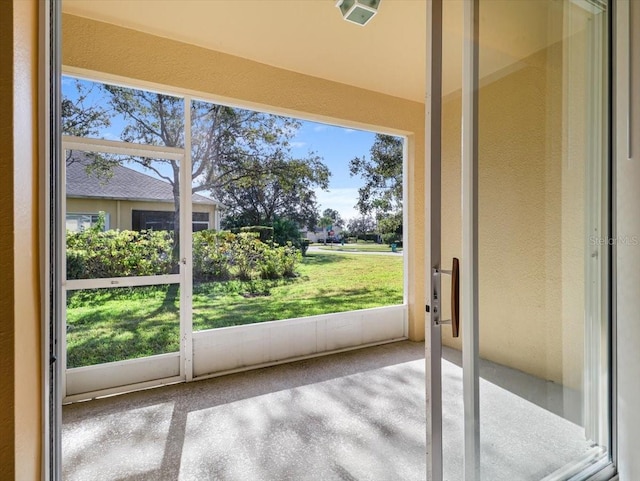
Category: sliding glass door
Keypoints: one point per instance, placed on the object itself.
(524, 393)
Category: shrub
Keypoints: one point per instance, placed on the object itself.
(93, 254)
(225, 256)
(304, 246)
(265, 233)
(217, 256)
(286, 230)
(392, 238)
(211, 251)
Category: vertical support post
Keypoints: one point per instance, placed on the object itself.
(433, 335)
(53, 247)
(470, 330)
(186, 251)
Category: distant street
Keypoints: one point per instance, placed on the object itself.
(336, 247)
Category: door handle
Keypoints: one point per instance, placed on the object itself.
(455, 297)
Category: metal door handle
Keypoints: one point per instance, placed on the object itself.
(455, 298)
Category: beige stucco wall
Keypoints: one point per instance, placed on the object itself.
(531, 228)
(99, 47)
(20, 342)
(120, 211)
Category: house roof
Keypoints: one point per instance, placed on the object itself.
(123, 183)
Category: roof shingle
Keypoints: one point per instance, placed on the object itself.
(124, 183)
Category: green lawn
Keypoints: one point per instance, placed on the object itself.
(114, 324)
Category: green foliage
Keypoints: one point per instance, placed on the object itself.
(93, 254)
(382, 191)
(361, 226)
(382, 175)
(286, 230)
(220, 256)
(390, 226)
(304, 246)
(334, 218)
(265, 233)
(217, 256)
(210, 253)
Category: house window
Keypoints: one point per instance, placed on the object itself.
(79, 222)
(163, 220)
(200, 221)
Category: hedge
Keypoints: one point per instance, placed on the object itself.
(217, 256)
(225, 256)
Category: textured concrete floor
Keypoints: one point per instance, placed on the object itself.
(352, 416)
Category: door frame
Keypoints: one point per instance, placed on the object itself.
(433, 227)
(469, 271)
(603, 469)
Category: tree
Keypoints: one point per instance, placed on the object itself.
(361, 225)
(325, 223)
(241, 157)
(334, 216)
(79, 119)
(381, 194)
(390, 227)
(286, 230)
(271, 187)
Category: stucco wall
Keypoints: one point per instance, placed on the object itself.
(531, 230)
(20, 391)
(99, 47)
(120, 211)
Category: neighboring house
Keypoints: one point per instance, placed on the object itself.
(319, 234)
(130, 199)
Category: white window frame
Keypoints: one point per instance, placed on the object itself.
(78, 215)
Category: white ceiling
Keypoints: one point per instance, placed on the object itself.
(310, 37)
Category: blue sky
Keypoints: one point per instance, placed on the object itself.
(336, 145)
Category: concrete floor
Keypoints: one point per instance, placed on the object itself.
(352, 416)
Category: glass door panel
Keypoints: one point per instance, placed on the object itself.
(542, 166)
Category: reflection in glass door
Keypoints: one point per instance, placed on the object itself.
(542, 167)
(525, 393)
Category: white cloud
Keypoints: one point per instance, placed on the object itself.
(320, 128)
(342, 200)
(298, 145)
(348, 131)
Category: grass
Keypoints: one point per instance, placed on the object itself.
(107, 325)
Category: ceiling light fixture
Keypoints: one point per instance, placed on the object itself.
(358, 11)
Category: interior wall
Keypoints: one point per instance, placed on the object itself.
(99, 47)
(531, 267)
(20, 344)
